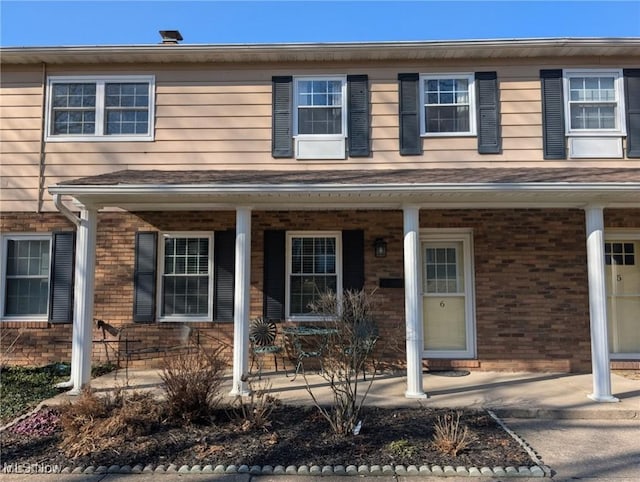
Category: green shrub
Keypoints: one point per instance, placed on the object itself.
(22, 388)
(403, 449)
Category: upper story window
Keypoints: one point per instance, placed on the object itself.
(25, 276)
(594, 103)
(186, 272)
(100, 108)
(448, 104)
(320, 106)
(320, 117)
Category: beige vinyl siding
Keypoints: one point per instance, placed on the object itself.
(20, 134)
(219, 117)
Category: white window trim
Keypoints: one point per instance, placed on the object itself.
(470, 76)
(343, 80)
(3, 272)
(160, 274)
(464, 235)
(620, 130)
(622, 235)
(100, 80)
(310, 234)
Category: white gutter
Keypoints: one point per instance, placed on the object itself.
(337, 188)
(403, 50)
(309, 46)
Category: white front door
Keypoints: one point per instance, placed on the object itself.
(448, 308)
(622, 272)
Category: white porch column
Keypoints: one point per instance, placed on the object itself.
(242, 297)
(598, 306)
(413, 301)
(82, 344)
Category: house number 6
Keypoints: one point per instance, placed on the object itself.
(442, 304)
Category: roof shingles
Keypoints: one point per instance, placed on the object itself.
(369, 177)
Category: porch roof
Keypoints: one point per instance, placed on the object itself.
(362, 189)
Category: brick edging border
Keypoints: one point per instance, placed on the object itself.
(315, 470)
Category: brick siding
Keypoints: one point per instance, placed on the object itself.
(531, 291)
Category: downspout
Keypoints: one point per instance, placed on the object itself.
(65, 211)
(42, 143)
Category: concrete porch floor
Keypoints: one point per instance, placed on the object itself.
(519, 395)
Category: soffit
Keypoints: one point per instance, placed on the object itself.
(324, 52)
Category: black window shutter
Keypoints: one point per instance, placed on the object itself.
(224, 274)
(353, 259)
(62, 277)
(274, 274)
(410, 140)
(358, 115)
(488, 115)
(632, 101)
(281, 132)
(144, 277)
(553, 138)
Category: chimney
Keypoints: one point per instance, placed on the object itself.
(170, 37)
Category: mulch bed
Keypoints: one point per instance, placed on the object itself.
(297, 436)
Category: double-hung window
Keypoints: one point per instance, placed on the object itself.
(186, 276)
(320, 117)
(594, 105)
(594, 112)
(314, 268)
(25, 276)
(100, 108)
(448, 104)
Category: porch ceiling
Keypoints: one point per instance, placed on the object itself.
(149, 190)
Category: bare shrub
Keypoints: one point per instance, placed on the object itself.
(104, 423)
(193, 384)
(254, 411)
(347, 352)
(450, 436)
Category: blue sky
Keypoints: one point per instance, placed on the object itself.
(115, 22)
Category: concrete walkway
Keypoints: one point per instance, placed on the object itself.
(517, 395)
(576, 437)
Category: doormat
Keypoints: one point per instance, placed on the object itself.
(449, 373)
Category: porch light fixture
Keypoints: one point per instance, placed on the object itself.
(380, 248)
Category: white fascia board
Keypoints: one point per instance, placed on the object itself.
(340, 188)
(305, 52)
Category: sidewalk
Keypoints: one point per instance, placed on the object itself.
(517, 395)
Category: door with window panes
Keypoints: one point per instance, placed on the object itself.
(447, 298)
(622, 273)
